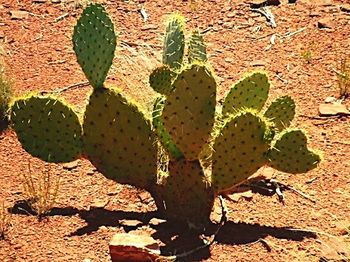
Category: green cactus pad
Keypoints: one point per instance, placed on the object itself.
(289, 153)
(249, 92)
(94, 43)
(239, 150)
(197, 50)
(163, 135)
(160, 80)
(47, 128)
(189, 111)
(174, 41)
(118, 139)
(281, 112)
(187, 194)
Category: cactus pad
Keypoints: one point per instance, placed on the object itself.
(189, 111)
(239, 151)
(197, 50)
(94, 43)
(118, 139)
(174, 41)
(281, 112)
(160, 80)
(289, 153)
(163, 135)
(47, 128)
(249, 92)
(187, 193)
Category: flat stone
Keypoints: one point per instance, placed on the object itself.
(130, 222)
(156, 221)
(325, 23)
(257, 63)
(99, 204)
(261, 3)
(129, 247)
(345, 8)
(333, 109)
(71, 165)
(19, 14)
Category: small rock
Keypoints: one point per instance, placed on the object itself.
(145, 197)
(149, 27)
(71, 165)
(325, 23)
(292, 1)
(333, 109)
(55, 1)
(128, 247)
(345, 8)
(39, 1)
(261, 3)
(130, 222)
(19, 14)
(231, 14)
(156, 221)
(235, 197)
(258, 63)
(99, 204)
(330, 99)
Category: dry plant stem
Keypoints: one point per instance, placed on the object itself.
(4, 221)
(42, 193)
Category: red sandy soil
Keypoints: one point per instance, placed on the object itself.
(40, 57)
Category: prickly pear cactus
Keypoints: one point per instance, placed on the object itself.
(164, 155)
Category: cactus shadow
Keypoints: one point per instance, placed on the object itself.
(177, 238)
(182, 240)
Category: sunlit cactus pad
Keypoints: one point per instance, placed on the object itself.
(249, 92)
(118, 139)
(189, 110)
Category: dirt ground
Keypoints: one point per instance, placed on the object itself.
(40, 56)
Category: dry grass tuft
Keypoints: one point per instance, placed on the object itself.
(40, 191)
(343, 74)
(5, 219)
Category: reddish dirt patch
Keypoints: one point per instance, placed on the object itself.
(40, 57)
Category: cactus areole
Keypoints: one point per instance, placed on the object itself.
(191, 150)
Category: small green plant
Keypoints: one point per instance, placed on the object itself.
(4, 221)
(40, 191)
(5, 95)
(164, 154)
(343, 74)
(307, 55)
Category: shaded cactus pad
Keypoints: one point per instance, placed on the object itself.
(189, 111)
(118, 139)
(94, 43)
(289, 153)
(47, 128)
(197, 50)
(187, 193)
(174, 41)
(160, 80)
(239, 151)
(164, 137)
(281, 112)
(249, 92)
